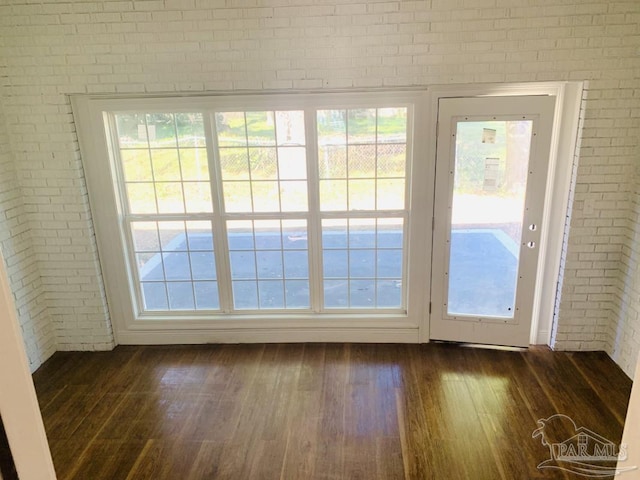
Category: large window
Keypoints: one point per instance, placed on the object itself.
(255, 209)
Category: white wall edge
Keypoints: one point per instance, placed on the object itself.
(18, 403)
(557, 204)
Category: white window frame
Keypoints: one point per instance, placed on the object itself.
(108, 207)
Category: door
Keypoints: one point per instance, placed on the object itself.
(491, 171)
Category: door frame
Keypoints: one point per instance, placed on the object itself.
(564, 145)
(18, 402)
(475, 326)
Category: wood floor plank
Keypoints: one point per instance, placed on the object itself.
(320, 411)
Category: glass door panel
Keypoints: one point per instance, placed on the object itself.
(490, 182)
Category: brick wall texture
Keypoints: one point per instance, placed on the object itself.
(52, 48)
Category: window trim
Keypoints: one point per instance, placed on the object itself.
(390, 324)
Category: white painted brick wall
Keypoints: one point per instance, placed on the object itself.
(51, 49)
(21, 265)
(624, 346)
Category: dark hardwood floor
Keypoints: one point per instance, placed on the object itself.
(320, 411)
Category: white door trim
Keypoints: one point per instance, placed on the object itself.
(559, 178)
(18, 403)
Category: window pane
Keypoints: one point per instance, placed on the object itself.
(336, 263)
(150, 266)
(296, 264)
(362, 263)
(268, 235)
(292, 163)
(240, 234)
(361, 125)
(265, 197)
(290, 128)
(206, 295)
(392, 159)
(137, 165)
(269, 263)
(293, 196)
(390, 194)
(142, 198)
(237, 196)
(180, 295)
(176, 265)
(199, 235)
(172, 236)
(390, 232)
(243, 264)
(203, 265)
(166, 165)
(362, 233)
(190, 130)
(161, 130)
(132, 130)
(336, 293)
(260, 128)
(333, 195)
(197, 197)
(145, 236)
(154, 295)
(271, 294)
(392, 125)
(332, 127)
(230, 129)
(362, 194)
(332, 161)
(335, 233)
(294, 234)
(389, 263)
(170, 199)
(264, 163)
(389, 293)
(297, 293)
(245, 295)
(362, 161)
(362, 293)
(234, 164)
(194, 164)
